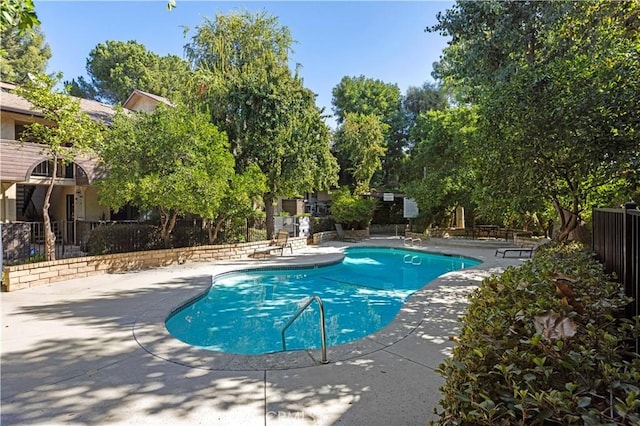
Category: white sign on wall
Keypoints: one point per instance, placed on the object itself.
(387, 196)
(410, 208)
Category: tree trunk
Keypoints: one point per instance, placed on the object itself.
(268, 199)
(569, 220)
(213, 231)
(49, 236)
(167, 223)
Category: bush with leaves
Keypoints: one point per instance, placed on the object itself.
(544, 344)
(352, 211)
(322, 224)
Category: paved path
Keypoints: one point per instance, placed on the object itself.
(90, 352)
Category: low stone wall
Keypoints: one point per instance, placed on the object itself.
(525, 240)
(35, 274)
(320, 237)
(416, 235)
(359, 234)
(393, 229)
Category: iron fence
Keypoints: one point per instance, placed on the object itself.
(616, 242)
(23, 242)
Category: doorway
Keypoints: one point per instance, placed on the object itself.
(70, 225)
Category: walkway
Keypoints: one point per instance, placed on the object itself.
(90, 352)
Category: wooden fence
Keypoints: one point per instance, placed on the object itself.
(616, 242)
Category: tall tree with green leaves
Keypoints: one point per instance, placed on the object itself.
(365, 96)
(173, 159)
(116, 68)
(428, 97)
(67, 133)
(555, 84)
(245, 189)
(368, 96)
(442, 173)
(23, 53)
(360, 140)
(242, 78)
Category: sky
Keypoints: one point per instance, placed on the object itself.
(378, 39)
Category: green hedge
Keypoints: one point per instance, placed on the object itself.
(322, 224)
(544, 344)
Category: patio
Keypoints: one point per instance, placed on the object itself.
(76, 352)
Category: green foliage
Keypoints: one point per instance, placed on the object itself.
(65, 133)
(242, 78)
(555, 84)
(360, 140)
(428, 97)
(20, 14)
(239, 201)
(171, 158)
(123, 238)
(352, 211)
(365, 96)
(74, 132)
(117, 68)
(23, 53)
(34, 258)
(518, 360)
(441, 170)
(361, 97)
(322, 224)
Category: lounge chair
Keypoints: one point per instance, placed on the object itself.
(341, 235)
(280, 243)
(522, 251)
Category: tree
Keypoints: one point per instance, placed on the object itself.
(116, 68)
(238, 202)
(555, 85)
(443, 174)
(365, 96)
(429, 96)
(67, 133)
(360, 140)
(20, 14)
(243, 80)
(369, 96)
(172, 158)
(23, 53)
(353, 211)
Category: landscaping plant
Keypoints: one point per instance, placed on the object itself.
(545, 343)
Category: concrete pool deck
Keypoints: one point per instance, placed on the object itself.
(93, 351)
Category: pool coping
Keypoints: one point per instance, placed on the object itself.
(150, 332)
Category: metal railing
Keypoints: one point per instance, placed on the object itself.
(616, 242)
(323, 334)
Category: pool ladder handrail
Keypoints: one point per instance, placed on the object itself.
(323, 334)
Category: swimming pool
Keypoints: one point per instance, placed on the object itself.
(244, 312)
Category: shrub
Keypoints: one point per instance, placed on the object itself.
(352, 211)
(122, 238)
(189, 236)
(322, 224)
(543, 344)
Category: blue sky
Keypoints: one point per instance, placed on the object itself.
(381, 40)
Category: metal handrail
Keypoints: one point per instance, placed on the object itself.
(323, 334)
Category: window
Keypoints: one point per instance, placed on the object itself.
(46, 169)
(20, 128)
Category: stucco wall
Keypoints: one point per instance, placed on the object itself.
(7, 202)
(8, 129)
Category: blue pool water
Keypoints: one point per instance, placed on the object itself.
(244, 312)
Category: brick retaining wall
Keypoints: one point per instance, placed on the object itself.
(35, 274)
(320, 237)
